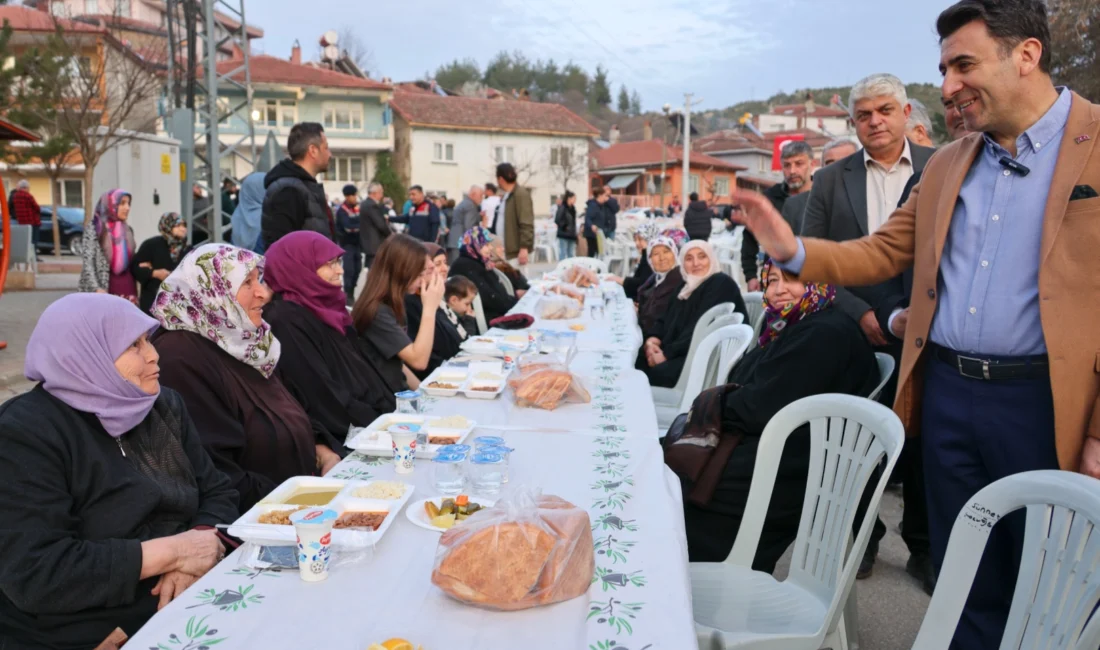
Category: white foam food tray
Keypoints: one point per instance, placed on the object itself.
(373, 440)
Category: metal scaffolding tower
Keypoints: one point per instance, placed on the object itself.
(202, 33)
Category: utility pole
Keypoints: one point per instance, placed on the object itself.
(688, 103)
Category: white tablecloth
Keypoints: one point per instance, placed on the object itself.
(602, 458)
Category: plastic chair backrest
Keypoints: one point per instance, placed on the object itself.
(702, 327)
(592, 263)
(479, 315)
(754, 304)
(21, 247)
(849, 436)
(885, 369)
(717, 347)
(1058, 586)
(712, 376)
(505, 282)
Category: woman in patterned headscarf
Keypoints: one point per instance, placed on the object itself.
(475, 262)
(106, 257)
(645, 231)
(807, 348)
(159, 256)
(217, 351)
(661, 287)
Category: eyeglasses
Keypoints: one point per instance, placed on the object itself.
(334, 264)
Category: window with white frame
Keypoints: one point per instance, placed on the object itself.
(70, 192)
(561, 156)
(91, 6)
(342, 116)
(502, 154)
(721, 185)
(764, 163)
(275, 113)
(347, 169)
(693, 183)
(443, 152)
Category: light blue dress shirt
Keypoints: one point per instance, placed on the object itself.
(989, 273)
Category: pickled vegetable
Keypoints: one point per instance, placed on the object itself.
(446, 522)
(431, 509)
(462, 500)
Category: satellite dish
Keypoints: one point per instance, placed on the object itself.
(330, 38)
(331, 53)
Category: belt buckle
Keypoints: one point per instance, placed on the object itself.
(984, 363)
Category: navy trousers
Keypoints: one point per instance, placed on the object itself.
(353, 266)
(973, 433)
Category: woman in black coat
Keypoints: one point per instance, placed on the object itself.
(661, 287)
(566, 221)
(158, 256)
(666, 347)
(806, 348)
(475, 263)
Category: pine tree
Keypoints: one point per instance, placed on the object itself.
(635, 103)
(624, 100)
(455, 74)
(599, 95)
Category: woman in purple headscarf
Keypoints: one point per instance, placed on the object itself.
(107, 256)
(108, 497)
(321, 362)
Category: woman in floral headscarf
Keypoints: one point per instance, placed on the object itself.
(661, 287)
(220, 355)
(807, 348)
(475, 262)
(642, 234)
(159, 256)
(106, 267)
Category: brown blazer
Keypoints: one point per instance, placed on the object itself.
(1069, 274)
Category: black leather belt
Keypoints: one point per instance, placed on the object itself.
(994, 368)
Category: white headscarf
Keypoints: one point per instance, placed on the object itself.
(668, 243)
(200, 296)
(691, 282)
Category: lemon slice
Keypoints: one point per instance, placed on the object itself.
(397, 644)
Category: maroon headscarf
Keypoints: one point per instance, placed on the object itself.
(291, 270)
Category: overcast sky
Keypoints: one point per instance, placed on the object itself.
(725, 51)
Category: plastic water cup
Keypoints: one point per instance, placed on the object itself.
(505, 453)
(408, 402)
(486, 472)
(487, 441)
(313, 528)
(449, 472)
(404, 448)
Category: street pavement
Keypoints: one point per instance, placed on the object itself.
(891, 603)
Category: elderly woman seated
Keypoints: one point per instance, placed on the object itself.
(666, 346)
(218, 352)
(661, 287)
(806, 348)
(322, 364)
(643, 271)
(108, 496)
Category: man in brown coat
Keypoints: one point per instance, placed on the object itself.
(516, 223)
(1000, 371)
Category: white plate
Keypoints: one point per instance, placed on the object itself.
(415, 512)
(248, 528)
(442, 392)
(469, 391)
(373, 440)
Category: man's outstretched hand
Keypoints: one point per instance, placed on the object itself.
(762, 219)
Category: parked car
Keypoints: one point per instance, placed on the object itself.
(71, 227)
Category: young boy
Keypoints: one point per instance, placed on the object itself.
(458, 304)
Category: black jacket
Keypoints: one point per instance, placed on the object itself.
(611, 210)
(653, 298)
(594, 215)
(294, 201)
(347, 225)
(750, 248)
(566, 221)
(697, 220)
(77, 510)
(446, 343)
(494, 298)
(423, 221)
(156, 252)
(373, 228)
(642, 273)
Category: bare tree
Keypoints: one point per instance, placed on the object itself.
(568, 163)
(352, 46)
(108, 93)
(1075, 34)
(527, 167)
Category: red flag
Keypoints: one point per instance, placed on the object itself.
(777, 148)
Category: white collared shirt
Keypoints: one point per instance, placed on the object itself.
(884, 186)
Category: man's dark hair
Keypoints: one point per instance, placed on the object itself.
(458, 286)
(417, 188)
(797, 148)
(507, 172)
(1010, 22)
(302, 135)
(489, 187)
(597, 192)
(694, 196)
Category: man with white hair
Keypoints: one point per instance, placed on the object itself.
(373, 225)
(467, 214)
(852, 199)
(26, 211)
(919, 127)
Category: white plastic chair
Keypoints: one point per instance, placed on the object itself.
(1058, 586)
(479, 315)
(736, 607)
(673, 396)
(885, 369)
(505, 282)
(591, 263)
(721, 348)
(754, 304)
(23, 253)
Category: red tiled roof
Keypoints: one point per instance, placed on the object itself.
(267, 69)
(473, 113)
(800, 109)
(646, 153)
(737, 140)
(26, 19)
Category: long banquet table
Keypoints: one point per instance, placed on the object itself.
(602, 456)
